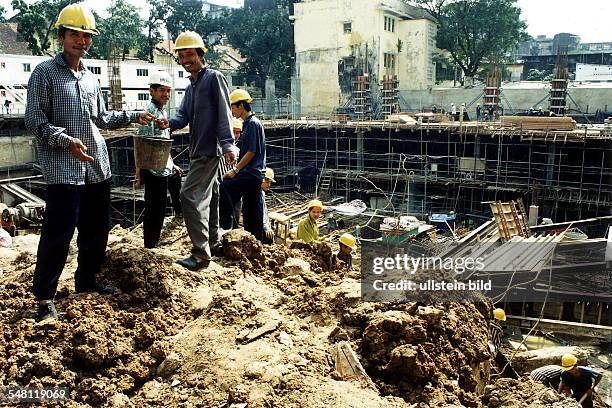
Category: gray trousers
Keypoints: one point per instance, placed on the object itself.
(200, 201)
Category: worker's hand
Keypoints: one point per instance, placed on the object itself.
(230, 158)
(178, 170)
(229, 175)
(269, 234)
(162, 123)
(78, 149)
(491, 348)
(144, 118)
(137, 179)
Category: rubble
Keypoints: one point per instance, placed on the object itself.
(266, 324)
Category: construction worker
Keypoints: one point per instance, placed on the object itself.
(64, 110)
(478, 111)
(497, 334)
(579, 381)
(549, 375)
(158, 183)
(347, 244)
(244, 181)
(266, 184)
(307, 230)
(205, 108)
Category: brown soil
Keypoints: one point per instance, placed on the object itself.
(257, 327)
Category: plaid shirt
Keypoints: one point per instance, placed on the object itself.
(63, 105)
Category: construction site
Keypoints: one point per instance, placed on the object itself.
(290, 325)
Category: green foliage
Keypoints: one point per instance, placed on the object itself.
(121, 30)
(36, 21)
(2, 16)
(157, 14)
(265, 38)
(476, 31)
(535, 74)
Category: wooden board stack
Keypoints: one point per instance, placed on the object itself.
(539, 122)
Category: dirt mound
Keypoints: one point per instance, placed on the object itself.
(259, 327)
(509, 393)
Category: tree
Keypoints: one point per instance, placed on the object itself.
(157, 14)
(265, 38)
(36, 21)
(183, 15)
(476, 31)
(121, 30)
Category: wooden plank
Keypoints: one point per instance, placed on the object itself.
(562, 326)
(348, 366)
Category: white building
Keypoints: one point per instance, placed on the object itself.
(335, 40)
(593, 72)
(15, 71)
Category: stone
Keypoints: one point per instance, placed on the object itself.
(171, 363)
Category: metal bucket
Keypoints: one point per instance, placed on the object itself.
(151, 153)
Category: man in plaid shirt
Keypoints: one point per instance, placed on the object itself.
(64, 110)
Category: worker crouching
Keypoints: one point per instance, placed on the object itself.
(347, 244)
(307, 230)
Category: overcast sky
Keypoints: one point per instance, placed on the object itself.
(590, 19)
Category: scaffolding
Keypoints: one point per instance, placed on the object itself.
(558, 90)
(115, 95)
(492, 89)
(362, 97)
(433, 168)
(389, 94)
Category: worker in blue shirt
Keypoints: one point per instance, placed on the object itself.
(64, 110)
(578, 380)
(244, 181)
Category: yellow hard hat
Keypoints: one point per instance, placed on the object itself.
(315, 203)
(269, 174)
(236, 123)
(77, 17)
(240, 95)
(189, 39)
(499, 314)
(568, 361)
(348, 240)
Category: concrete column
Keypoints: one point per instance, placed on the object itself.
(296, 98)
(359, 150)
(550, 164)
(270, 102)
(230, 80)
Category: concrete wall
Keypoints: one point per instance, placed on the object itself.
(16, 150)
(417, 70)
(519, 98)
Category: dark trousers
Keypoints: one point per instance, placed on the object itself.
(86, 207)
(248, 188)
(156, 196)
(502, 361)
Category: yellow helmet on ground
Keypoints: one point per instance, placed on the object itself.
(315, 203)
(240, 95)
(568, 361)
(77, 17)
(499, 314)
(189, 39)
(269, 174)
(348, 240)
(236, 123)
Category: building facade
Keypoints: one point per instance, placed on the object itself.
(337, 41)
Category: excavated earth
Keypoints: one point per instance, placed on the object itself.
(260, 327)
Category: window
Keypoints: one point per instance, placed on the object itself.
(142, 72)
(180, 74)
(389, 60)
(95, 70)
(26, 68)
(389, 24)
(348, 27)
(2, 65)
(143, 96)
